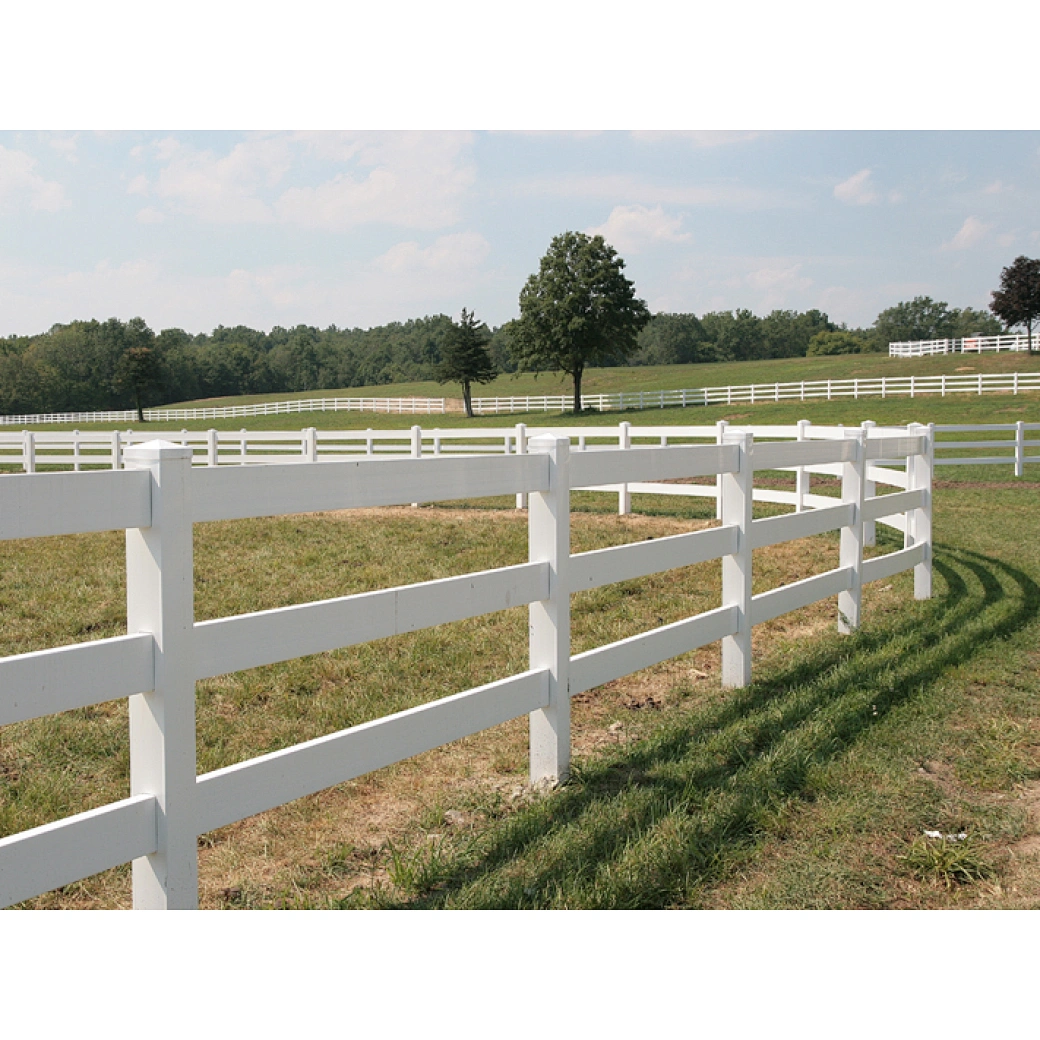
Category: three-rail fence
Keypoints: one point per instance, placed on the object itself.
(1006, 444)
(159, 495)
(752, 393)
(964, 345)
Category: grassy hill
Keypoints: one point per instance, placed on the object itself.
(678, 377)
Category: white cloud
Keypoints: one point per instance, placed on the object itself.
(222, 189)
(415, 180)
(447, 256)
(972, 232)
(995, 188)
(630, 229)
(19, 183)
(150, 215)
(857, 190)
(138, 186)
(65, 144)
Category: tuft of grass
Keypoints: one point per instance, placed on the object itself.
(948, 860)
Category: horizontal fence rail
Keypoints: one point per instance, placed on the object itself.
(389, 405)
(752, 393)
(966, 345)
(761, 393)
(1005, 444)
(159, 495)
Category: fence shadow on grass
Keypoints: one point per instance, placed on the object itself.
(646, 825)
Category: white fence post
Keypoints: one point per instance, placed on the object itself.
(159, 595)
(549, 620)
(75, 451)
(28, 451)
(243, 445)
(521, 449)
(624, 501)
(869, 491)
(736, 569)
(920, 524)
(853, 475)
(211, 447)
(416, 451)
(801, 476)
(1020, 448)
(720, 438)
(312, 444)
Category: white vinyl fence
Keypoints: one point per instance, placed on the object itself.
(1004, 444)
(388, 405)
(752, 393)
(160, 495)
(761, 393)
(967, 345)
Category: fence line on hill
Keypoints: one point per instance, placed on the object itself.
(637, 400)
(763, 393)
(964, 345)
(388, 405)
(160, 495)
(79, 449)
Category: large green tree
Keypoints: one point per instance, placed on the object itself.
(465, 358)
(1017, 301)
(920, 319)
(578, 310)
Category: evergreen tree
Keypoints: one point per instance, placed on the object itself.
(465, 358)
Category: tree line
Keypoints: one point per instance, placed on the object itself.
(99, 365)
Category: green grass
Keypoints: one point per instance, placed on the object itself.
(674, 377)
(812, 788)
(807, 789)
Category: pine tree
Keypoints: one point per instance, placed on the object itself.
(465, 358)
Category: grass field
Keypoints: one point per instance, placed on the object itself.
(812, 788)
(677, 377)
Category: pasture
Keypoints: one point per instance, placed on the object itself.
(812, 787)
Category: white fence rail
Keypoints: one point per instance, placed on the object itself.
(1005, 444)
(159, 495)
(752, 393)
(967, 345)
(761, 393)
(389, 405)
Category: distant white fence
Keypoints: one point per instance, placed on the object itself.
(752, 393)
(1006, 444)
(388, 405)
(761, 393)
(159, 496)
(967, 345)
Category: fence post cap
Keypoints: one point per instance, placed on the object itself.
(156, 451)
(739, 436)
(547, 441)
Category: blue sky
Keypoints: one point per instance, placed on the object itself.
(356, 229)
